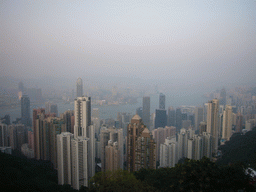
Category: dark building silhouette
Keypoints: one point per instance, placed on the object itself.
(178, 119)
(139, 111)
(25, 110)
(161, 101)
(171, 117)
(146, 111)
(161, 118)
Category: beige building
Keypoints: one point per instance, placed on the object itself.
(141, 148)
(112, 158)
(227, 123)
(213, 122)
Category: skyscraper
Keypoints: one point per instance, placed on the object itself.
(82, 116)
(79, 87)
(64, 158)
(161, 118)
(213, 122)
(161, 101)
(146, 111)
(25, 110)
(178, 119)
(140, 146)
(227, 123)
(199, 116)
(171, 117)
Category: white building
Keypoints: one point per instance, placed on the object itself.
(169, 152)
(64, 157)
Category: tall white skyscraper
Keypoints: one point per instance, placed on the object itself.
(227, 123)
(213, 122)
(82, 150)
(169, 152)
(79, 87)
(82, 116)
(64, 158)
(79, 151)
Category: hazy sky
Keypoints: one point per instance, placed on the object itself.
(193, 41)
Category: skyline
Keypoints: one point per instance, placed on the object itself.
(173, 42)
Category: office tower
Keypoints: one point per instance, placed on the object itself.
(25, 110)
(213, 122)
(178, 119)
(169, 152)
(137, 135)
(223, 97)
(227, 123)
(146, 111)
(202, 127)
(239, 122)
(80, 165)
(64, 158)
(171, 117)
(186, 124)
(82, 116)
(113, 155)
(191, 118)
(4, 140)
(161, 101)
(54, 109)
(159, 136)
(199, 115)
(160, 118)
(79, 87)
(139, 111)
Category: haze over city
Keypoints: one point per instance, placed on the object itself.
(195, 43)
(116, 87)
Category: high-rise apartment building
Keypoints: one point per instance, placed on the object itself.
(199, 116)
(159, 136)
(79, 87)
(140, 146)
(146, 111)
(64, 158)
(80, 165)
(113, 155)
(4, 140)
(25, 110)
(83, 144)
(82, 116)
(116, 137)
(161, 101)
(227, 123)
(223, 97)
(213, 122)
(169, 152)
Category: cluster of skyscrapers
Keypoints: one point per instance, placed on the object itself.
(79, 143)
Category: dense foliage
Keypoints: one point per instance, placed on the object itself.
(239, 149)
